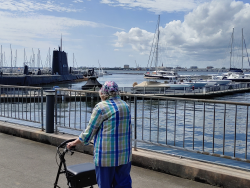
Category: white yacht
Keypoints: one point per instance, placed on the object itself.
(236, 75)
(179, 86)
(156, 86)
(158, 74)
(216, 79)
(150, 86)
(197, 84)
(161, 74)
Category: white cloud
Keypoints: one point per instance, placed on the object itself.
(156, 6)
(77, 1)
(30, 6)
(37, 26)
(30, 30)
(204, 35)
(17, 27)
(139, 39)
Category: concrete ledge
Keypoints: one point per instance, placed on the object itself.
(181, 167)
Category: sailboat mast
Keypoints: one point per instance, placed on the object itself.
(16, 59)
(24, 57)
(1, 57)
(242, 48)
(231, 48)
(157, 44)
(49, 58)
(11, 59)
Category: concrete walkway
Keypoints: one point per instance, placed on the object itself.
(29, 164)
(25, 163)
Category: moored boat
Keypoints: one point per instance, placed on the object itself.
(150, 86)
(92, 84)
(179, 86)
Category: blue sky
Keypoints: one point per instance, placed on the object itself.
(118, 32)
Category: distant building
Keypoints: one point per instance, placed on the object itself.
(210, 67)
(126, 66)
(180, 69)
(193, 67)
(169, 68)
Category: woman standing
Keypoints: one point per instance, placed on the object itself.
(110, 126)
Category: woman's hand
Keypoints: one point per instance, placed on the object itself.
(70, 144)
(74, 143)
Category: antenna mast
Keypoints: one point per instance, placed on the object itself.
(61, 42)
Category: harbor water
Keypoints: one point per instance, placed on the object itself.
(69, 113)
(166, 132)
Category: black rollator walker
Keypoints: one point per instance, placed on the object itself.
(79, 175)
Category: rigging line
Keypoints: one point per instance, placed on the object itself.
(225, 52)
(155, 51)
(151, 50)
(152, 44)
(158, 38)
(246, 52)
(153, 56)
(231, 52)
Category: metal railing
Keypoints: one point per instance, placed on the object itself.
(22, 103)
(204, 126)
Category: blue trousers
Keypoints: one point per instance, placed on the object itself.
(114, 177)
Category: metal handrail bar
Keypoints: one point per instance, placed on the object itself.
(169, 98)
(186, 157)
(12, 96)
(202, 110)
(193, 151)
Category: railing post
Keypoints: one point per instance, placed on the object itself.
(175, 119)
(42, 109)
(50, 101)
(56, 109)
(1, 98)
(246, 134)
(135, 123)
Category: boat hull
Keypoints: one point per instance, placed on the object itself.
(179, 86)
(239, 79)
(33, 80)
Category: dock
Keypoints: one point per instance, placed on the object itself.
(63, 94)
(205, 95)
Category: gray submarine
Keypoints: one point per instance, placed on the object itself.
(60, 73)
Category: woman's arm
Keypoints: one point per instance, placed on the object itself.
(94, 124)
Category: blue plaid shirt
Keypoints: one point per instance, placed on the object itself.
(110, 125)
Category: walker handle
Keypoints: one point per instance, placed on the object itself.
(65, 142)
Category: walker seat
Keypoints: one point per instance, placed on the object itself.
(81, 175)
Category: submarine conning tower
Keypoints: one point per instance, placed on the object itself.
(60, 62)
